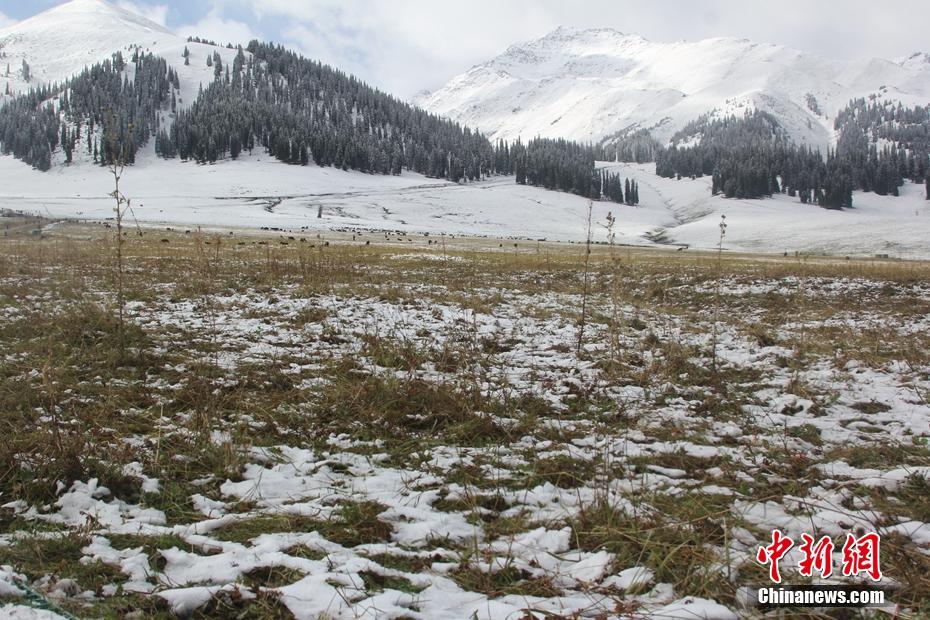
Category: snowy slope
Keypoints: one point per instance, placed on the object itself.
(259, 191)
(62, 41)
(899, 227)
(588, 84)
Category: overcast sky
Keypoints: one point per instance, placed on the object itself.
(404, 46)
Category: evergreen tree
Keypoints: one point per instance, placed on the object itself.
(555, 164)
(519, 162)
(639, 146)
(300, 110)
(614, 191)
(751, 157)
(32, 128)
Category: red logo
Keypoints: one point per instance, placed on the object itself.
(817, 557)
(860, 555)
(772, 554)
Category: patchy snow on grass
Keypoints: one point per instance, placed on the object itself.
(419, 452)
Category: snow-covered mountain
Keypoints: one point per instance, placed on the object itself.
(578, 84)
(589, 84)
(62, 41)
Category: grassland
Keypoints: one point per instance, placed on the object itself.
(421, 427)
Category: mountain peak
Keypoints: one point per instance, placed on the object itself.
(569, 36)
(86, 5)
(572, 31)
(100, 12)
(565, 44)
(61, 41)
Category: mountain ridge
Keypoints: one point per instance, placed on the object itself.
(589, 84)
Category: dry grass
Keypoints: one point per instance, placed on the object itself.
(73, 388)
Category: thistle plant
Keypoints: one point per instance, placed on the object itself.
(122, 209)
(615, 307)
(723, 232)
(584, 292)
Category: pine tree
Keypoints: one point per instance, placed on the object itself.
(27, 73)
(293, 108)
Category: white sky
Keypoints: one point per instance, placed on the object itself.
(404, 46)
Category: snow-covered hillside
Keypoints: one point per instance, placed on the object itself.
(588, 84)
(60, 42)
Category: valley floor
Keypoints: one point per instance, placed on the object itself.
(292, 428)
(257, 192)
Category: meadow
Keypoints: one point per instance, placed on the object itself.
(233, 424)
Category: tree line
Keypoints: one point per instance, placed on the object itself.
(751, 156)
(563, 165)
(297, 110)
(300, 110)
(904, 134)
